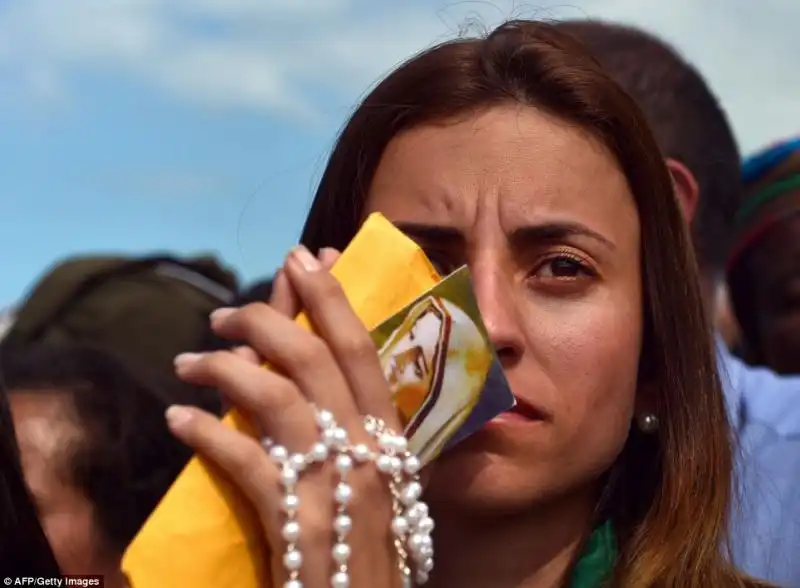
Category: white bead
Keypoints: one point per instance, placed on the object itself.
(400, 526)
(343, 493)
(396, 465)
(361, 452)
(325, 419)
(422, 577)
(411, 493)
(412, 464)
(290, 502)
(417, 512)
(341, 552)
(386, 442)
(340, 436)
(425, 552)
(291, 531)
(288, 475)
(267, 443)
(415, 542)
(293, 584)
(401, 444)
(298, 462)
(344, 463)
(278, 453)
(319, 452)
(425, 525)
(292, 560)
(426, 565)
(342, 524)
(371, 426)
(340, 580)
(384, 464)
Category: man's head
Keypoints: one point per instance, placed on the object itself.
(689, 124)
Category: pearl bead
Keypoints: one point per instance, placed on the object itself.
(293, 584)
(415, 542)
(342, 524)
(400, 526)
(291, 531)
(292, 560)
(426, 525)
(384, 464)
(422, 577)
(396, 465)
(298, 462)
(340, 580)
(325, 419)
(288, 476)
(411, 493)
(290, 502)
(386, 442)
(361, 452)
(412, 464)
(344, 463)
(371, 426)
(343, 493)
(278, 453)
(401, 444)
(319, 452)
(339, 437)
(426, 565)
(341, 552)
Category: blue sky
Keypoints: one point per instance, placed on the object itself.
(202, 125)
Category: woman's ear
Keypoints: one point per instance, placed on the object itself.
(685, 187)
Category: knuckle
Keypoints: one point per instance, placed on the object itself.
(327, 287)
(311, 354)
(359, 348)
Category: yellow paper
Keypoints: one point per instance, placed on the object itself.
(204, 534)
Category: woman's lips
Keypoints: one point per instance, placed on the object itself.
(521, 412)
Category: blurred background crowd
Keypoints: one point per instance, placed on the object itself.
(159, 158)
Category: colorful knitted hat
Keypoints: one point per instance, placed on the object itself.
(772, 192)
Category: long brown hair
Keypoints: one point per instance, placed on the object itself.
(668, 494)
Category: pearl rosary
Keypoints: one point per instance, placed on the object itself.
(411, 525)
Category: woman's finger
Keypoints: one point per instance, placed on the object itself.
(241, 458)
(281, 410)
(284, 299)
(294, 351)
(348, 340)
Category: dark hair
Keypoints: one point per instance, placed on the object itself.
(24, 549)
(686, 119)
(127, 458)
(671, 496)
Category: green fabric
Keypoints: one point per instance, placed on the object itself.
(597, 561)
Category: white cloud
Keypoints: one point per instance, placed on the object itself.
(274, 55)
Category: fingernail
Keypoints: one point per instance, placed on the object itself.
(220, 314)
(184, 360)
(304, 257)
(177, 415)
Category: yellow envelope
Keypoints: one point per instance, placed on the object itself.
(204, 534)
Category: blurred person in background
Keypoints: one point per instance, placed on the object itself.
(703, 158)
(142, 309)
(24, 549)
(763, 268)
(95, 451)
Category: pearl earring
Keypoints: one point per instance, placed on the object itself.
(648, 423)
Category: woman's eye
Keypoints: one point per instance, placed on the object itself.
(563, 267)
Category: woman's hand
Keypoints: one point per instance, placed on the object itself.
(336, 369)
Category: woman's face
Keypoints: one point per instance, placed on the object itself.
(544, 217)
(46, 435)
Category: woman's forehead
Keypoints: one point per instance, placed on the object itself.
(516, 163)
